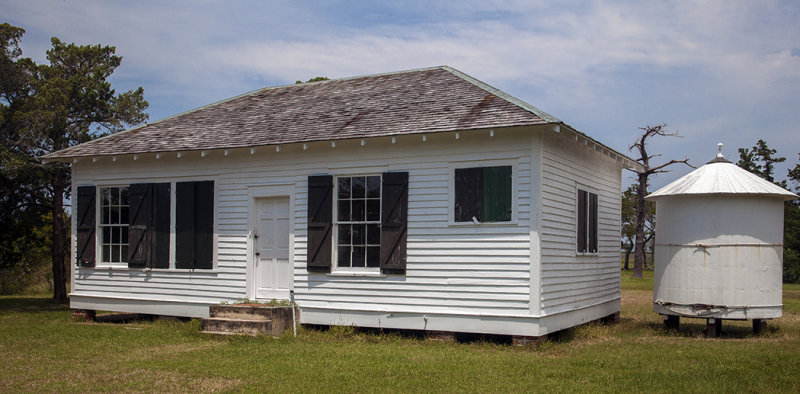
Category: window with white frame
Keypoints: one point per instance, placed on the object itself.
(587, 222)
(114, 224)
(358, 222)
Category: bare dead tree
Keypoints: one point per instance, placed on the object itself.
(643, 178)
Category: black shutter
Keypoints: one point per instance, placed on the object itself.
(204, 225)
(148, 230)
(320, 223)
(394, 222)
(194, 225)
(85, 255)
(140, 215)
(581, 221)
(592, 223)
(184, 225)
(468, 194)
(160, 226)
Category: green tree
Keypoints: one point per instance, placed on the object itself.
(629, 203)
(760, 160)
(68, 101)
(23, 202)
(315, 79)
(643, 176)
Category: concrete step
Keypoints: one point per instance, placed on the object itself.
(216, 325)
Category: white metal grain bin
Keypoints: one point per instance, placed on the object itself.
(719, 245)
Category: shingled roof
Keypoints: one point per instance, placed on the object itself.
(430, 100)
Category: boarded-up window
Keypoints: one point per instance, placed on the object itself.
(586, 239)
(194, 225)
(483, 194)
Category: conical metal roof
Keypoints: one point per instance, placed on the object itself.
(720, 176)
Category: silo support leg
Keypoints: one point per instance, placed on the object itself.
(713, 328)
(672, 322)
(759, 326)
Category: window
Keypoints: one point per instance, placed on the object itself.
(358, 221)
(587, 222)
(483, 194)
(136, 223)
(114, 224)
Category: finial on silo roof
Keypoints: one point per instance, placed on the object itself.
(720, 158)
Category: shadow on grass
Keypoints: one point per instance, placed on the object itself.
(16, 304)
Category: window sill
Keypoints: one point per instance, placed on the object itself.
(125, 268)
(356, 274)
(587, 254)
(483, 224)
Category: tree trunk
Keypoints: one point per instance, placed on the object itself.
(627, 258)
(57, 249)
(638, 255)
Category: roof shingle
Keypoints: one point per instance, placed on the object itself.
(429, 100)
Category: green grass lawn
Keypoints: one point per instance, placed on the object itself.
(43, 349)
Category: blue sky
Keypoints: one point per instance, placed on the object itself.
(715, 71)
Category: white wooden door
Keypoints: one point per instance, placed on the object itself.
(273, 270)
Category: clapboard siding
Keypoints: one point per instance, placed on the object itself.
(450, 267)
(569, 280)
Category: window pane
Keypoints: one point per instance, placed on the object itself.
(374, 210)
(124, 238)
(104, 214)
(359, 187)
(123, 215)
(343, 258)
(106, 253)
(373, 234)
(358, 234)
(496, 194)
(359, 256)
(123, 198)
(106, 236)
(115, 253)
(344, 234)
(124, 253)
(115, 233)
(344, 211)
(374, 187)
(114, 194)
(344, 187)
(113, 215)
(359, 211)
(104, 191)
(373, 256)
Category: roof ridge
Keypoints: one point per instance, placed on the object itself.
(505, 96)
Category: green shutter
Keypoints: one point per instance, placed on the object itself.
(496, 194)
